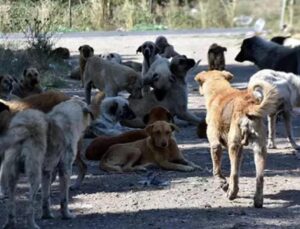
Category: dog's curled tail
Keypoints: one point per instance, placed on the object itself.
(267, 97)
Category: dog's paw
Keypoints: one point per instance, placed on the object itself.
(258, 201)
(68, 215)
(271, 145)
(232, 193)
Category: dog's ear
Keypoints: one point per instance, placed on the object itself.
(3, 107)
(139, 49)
(113, 108)
(88, 110)
(227, 75)
(174, 127)
(92, 50)
(25, 72)
(148, 129)
(200, 77)
(79, 49)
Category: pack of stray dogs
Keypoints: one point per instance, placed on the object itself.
(42, 132)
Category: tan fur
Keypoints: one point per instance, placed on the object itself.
(235, 118)
(159, 148)
(29, 84)
(96, 102)
(85, 51)
(110, 78)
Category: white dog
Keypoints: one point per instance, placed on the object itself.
(288, 85)
(43, 142)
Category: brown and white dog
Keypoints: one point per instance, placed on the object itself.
(159, 148)
(234, 119)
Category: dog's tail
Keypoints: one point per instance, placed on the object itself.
(13, 137)
(267, 97)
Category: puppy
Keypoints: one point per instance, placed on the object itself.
(29, 84)
(216, 58)
(85, 51)
(149, 51)
(99, 145)
(110, 78)
(42, 142)
(113, 57)
(174, 98)
(6, 87)
(159, 148)
(234, 119)
(112, 111)
(269, 55)
(288, 86)
(165, 49)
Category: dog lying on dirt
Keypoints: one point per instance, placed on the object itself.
(29, 84)
(100, 145)
(42, 142)
(6, 87)
(112, 111)
(159, 148)
(85, 51)
(174, 98)
(165, 49)
(112, 56)
(234, 119)
(269, 55)
(111, 78)
(216, 58)
(288, 86)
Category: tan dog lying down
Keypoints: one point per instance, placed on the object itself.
(234, 119)
(159, 148)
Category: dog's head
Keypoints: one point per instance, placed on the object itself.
(161, 133)
(214, 75)
(113, 57)
(148, 48)
(161, 42)
(216, 57)
(6, 84)
(86, 51)
(31, 77)
(180, 65)
(117, 107)
(247, 50)
(158, 113)
(160, 77)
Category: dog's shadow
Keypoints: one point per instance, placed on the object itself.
(291, 196)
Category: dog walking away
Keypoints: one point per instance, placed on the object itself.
(288, 86)
(42, 142)
(235, 119)
(159, 148)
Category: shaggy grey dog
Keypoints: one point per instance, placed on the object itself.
(42, 143)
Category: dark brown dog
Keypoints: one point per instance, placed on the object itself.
(29, 84)
(85, 51)
(165, 49)
(100, 145)
(60, 52)
(6, 87)
(216, 58)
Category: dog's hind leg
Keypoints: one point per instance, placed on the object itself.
(288, 128)
(46, 183)
(260, 154)
(132, 158)
(272, 131)
(65, 170)
(9, 177)
(235, 155)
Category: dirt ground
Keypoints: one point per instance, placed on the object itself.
(189, 200)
